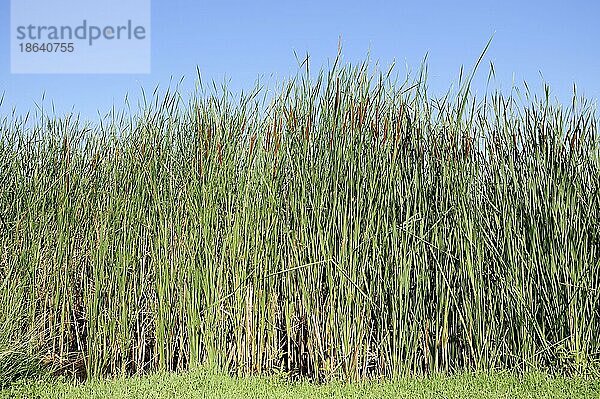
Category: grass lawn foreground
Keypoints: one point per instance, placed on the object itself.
(203, 384)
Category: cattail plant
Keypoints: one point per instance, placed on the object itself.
(347, 226)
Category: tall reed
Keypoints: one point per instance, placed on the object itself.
(348, 226)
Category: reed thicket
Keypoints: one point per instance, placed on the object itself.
(349, 227)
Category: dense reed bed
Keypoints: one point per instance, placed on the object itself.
(349, 226)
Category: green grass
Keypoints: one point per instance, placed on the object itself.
(199, 384)
(343, 226)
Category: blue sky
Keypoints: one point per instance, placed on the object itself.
(242, 40)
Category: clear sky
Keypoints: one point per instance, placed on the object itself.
(242, 40)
